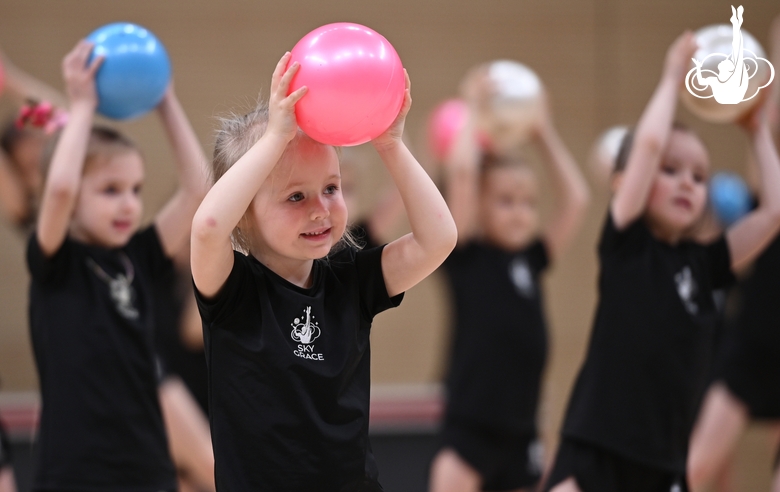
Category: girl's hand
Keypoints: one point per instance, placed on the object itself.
(394, 134)
(678, 56)
(759, 114)
(80, 77)
(281, 106)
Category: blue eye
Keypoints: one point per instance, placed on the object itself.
(332, 189)
(296, 197)
(111, 190)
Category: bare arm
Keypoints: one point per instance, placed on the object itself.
(411, 258)
(62, 183)
(652, 135)
(24, 86)
(571, 190)
(175, 219)
(461, 174)
(227, 201)
(748, 237)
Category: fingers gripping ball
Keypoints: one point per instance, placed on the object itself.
(730, 197)
(135, 73)
(356, 84)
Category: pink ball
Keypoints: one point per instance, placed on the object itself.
(446, 120)
(355, 80)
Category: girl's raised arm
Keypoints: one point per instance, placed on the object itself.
(24, 86)
(62, 182)
(571, 190)
(461, 171)
(411, 258)
(175, 219)
(227, 201)
(652, 136)
(748, 237)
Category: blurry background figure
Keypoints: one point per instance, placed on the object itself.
(23, 141)
(22, 144)
(747, 376)
(490, 439)
(374, 216)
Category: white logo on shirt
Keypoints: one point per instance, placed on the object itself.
(523, 280)
(687, 289)
(305, 331)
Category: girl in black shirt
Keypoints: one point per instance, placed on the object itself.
(748, 377)
(287, 321)
(91, 297)
(490, 438)
(635, 400)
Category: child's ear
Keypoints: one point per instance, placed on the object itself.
(614, 181)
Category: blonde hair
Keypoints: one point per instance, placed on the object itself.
(234, 137)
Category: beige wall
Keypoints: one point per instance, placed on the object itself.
(600, 60)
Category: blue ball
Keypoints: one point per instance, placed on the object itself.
(135, 72)
(730, 197)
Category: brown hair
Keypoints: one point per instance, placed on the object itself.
(235, 136)
(104, 142)
(621, 160)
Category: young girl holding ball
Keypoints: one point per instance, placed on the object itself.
(635, 401)
(287, 319)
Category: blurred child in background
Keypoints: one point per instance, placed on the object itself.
(635, 400)
(747, 382)
(91, 297)
(490, 436)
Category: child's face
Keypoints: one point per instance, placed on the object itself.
(299, 211)
(679, 193)
(108, 207)
(508, 207)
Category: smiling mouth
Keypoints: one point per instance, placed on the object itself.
(122, 224)
(684, 203)
(316, 234)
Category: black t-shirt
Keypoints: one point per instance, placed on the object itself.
(650, 351)
(289, 373)
(5, 448)
(177, 359)
(500, 337)
(101, 427)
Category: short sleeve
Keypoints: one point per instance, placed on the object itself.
(373, 292)
(48, 269)
(634, 236)
(719, 259)
(217, 308)
(147, 248)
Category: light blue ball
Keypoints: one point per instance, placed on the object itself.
(135, 73)
(730, 197)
